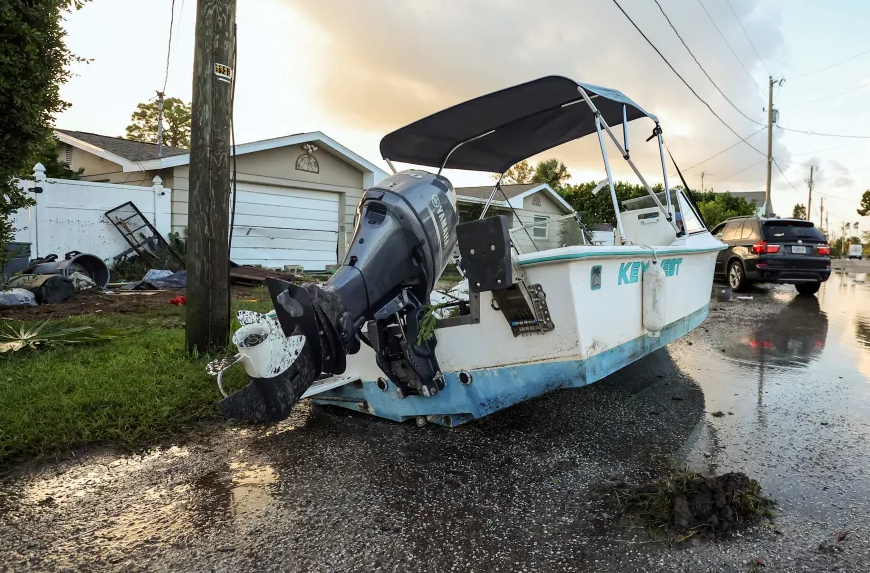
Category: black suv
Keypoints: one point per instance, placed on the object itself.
(790, 251)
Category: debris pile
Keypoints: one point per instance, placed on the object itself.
(686, 503)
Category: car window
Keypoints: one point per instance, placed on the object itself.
(791, 231)
(732, 231)
(748, 229)
(717, 232)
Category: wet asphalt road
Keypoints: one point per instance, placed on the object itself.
(330, 490)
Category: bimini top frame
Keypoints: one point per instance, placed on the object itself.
(493, 132)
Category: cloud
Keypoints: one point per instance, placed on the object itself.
(389, 63)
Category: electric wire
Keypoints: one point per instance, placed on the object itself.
(830, 97)
(723, 151)
(849, 59)
(754, 49)
(727, 177)
(715, 85)
(169, 47)
(730, 47)
(702, 100)
(808, 132)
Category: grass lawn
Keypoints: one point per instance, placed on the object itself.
(127, 391)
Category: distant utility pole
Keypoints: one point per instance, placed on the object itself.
(822, 215)
(159, 124)
(703, 174)
(207, 322)
(810, 200)
(771, 119)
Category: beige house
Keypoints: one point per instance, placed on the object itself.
(297, 195)
(534, 203)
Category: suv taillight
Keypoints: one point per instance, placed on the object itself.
(824, 249)
(763, 247)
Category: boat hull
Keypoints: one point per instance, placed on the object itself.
(595, 297)
(494, 389)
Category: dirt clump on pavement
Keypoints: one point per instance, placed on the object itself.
(684, 504)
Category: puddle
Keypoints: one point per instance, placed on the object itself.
(795, 391)
(240, 490)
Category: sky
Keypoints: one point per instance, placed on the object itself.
(357, 70)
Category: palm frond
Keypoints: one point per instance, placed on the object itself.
(15, 336)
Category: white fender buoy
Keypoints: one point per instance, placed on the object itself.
(654, 298)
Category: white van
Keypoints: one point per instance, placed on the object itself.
(855, 251)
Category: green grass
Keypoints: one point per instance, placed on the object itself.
(130, 391)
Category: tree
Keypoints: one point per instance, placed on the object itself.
(864, 210)
(716, 207)
(518, 174)
(799, 212)
(34, 63)
(49, 156)
(176, 123)
(552, 172)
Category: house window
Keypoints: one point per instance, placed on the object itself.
(68, 154)
(540, 231)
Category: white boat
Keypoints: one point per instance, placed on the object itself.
(538, 317)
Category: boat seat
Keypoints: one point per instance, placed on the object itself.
(647, 227)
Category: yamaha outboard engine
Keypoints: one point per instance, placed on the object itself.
(404, 237)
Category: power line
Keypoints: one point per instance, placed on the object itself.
(730, 47)
(760, 59)
(807, 132)
(784, 176)
(791, 155)
(723, 151)
(830, 97)
(727, 177)
(169, 47)
(849, 59)
(653, 46)
(671, 24)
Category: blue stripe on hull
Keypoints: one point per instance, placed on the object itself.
(497, 388)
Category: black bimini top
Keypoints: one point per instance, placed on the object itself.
(523, 120)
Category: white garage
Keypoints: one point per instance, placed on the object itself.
(297, 195)
(277, 226)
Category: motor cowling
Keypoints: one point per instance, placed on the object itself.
(404, 237)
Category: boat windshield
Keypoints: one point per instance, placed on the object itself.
(684, 214)
(545, 232)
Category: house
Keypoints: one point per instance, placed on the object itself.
(297, 195)
(757, 197)
(534, 203)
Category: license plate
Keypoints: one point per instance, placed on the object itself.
(799, 250)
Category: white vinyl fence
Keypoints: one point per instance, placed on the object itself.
(70, 215)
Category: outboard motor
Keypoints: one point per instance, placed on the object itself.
(404, 237)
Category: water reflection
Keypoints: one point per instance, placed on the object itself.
(794, 337)
(862, 329)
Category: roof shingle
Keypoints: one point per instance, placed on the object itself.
(126, 148)
(483, 192)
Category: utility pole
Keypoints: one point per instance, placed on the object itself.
(810, 200)
(159, 124)
(704, 174)
(822, 214)
(207, 321)
(771, 119)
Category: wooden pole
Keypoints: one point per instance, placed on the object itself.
(810, 199)
(768, 207)
(207, 324)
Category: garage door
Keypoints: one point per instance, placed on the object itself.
(277, 226)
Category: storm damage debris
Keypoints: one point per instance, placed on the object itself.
(684, 504)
